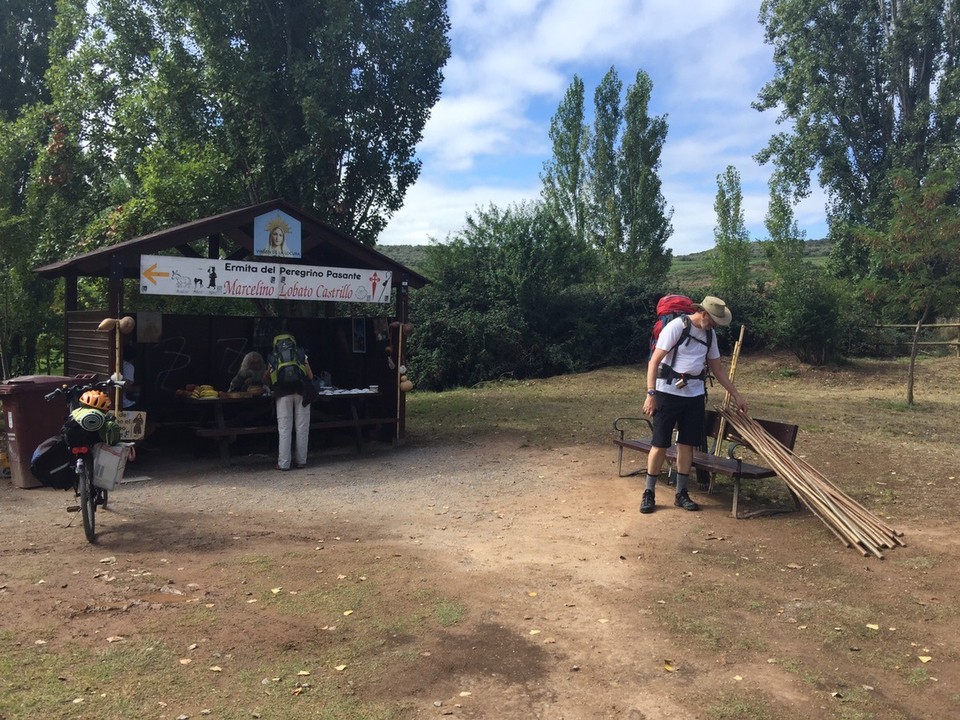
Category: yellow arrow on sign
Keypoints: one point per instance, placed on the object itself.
(151, 272)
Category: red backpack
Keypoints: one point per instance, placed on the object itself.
(668, 308)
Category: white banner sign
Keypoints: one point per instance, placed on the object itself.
(165, 275)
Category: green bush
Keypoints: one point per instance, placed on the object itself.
(809, 315)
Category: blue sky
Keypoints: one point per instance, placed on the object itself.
(513, 60)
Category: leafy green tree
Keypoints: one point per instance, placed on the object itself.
(731, 261)
(791, 316)
(565, 174)
(499, 301)
(114, 102)
(867, 88)
(325, 102)
(809, 316)
(156, 112)
(320, 103)
(646, 221)
(25, 27)
(919, 253)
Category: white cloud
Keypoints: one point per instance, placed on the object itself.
(434, 212)
(486, 140)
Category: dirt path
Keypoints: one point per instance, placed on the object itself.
(566, 602)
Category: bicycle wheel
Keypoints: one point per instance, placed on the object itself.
(88, 503)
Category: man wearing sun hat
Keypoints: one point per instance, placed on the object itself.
(676, 392)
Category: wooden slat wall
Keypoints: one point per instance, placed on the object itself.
(88, 350)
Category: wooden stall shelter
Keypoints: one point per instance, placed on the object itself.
(344, 301)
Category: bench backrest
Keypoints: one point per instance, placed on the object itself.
(783, 433)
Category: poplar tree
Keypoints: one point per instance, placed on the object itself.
(645, 218)
(731, 262)
(604, 182)
(565, 174)
(605, 219)
(785, 244)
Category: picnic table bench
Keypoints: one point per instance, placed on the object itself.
(731, 465)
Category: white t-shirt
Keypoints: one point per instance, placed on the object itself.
(691, 359)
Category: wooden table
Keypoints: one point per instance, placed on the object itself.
(216, 426)
(355, 398)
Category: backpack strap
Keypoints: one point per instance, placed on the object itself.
(686, 336)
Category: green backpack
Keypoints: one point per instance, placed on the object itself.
(288, 364)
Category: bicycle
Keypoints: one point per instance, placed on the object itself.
(88, 424)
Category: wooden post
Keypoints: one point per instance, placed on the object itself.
(726, 397)
(399, 374)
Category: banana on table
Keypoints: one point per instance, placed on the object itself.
(205, 391)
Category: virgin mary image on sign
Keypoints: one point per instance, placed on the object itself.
(277, 235)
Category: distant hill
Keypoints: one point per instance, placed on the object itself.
(410, 255)
(687, 271)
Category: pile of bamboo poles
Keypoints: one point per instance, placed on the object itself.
(853, 524)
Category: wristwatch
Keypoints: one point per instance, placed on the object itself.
(651, 393)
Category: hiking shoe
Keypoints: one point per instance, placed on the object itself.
(683, 501)
(647, 502)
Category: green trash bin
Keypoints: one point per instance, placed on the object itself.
(30, 420)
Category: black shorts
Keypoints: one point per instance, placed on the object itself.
(687, 414)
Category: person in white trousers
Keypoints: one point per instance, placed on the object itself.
(293, 417)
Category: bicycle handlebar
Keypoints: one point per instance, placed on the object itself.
(75, 391)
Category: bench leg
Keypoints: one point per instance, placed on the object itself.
(620, 462)
(620, 466)
(357, 431)
(797, 505)
(704, 479)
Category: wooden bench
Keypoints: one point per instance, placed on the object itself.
(732, 466)
(226, 435)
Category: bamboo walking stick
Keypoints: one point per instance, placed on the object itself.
(119, 326)
(726, 397)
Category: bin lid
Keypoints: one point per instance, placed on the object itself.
(25, 383)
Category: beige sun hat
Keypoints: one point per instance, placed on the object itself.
(717, 309)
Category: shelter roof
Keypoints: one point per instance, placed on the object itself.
(322, 244)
